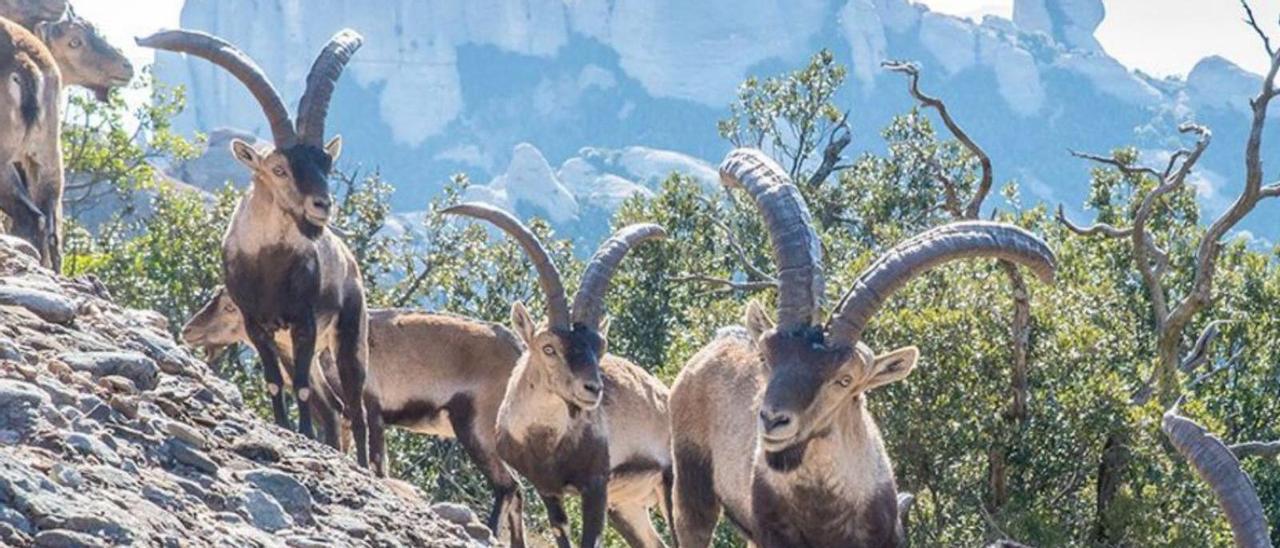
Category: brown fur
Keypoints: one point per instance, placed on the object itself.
(30, 140)
(832, 486)
(437, 374)
(615, 454)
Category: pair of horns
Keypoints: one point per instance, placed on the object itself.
(314, 106)
(588, 302)
(798, 255)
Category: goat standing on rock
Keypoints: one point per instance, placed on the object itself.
(284, 268)
(773, 426)
(574, 418)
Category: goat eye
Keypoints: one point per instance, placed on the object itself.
(75, 43)
(549, 350)
(279, 171)
(845, 381)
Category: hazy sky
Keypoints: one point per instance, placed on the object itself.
(1161, 37)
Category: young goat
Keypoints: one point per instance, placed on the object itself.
(772, 424)
(574, 418)
(434, 374)
(283, 268)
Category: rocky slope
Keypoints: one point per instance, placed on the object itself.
(110, 434)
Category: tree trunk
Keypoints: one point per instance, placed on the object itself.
(1115, 458)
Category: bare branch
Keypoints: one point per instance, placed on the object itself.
(1263, 449)
(831, 155)
(1199, 354)
(1096, 228)
(984, 184)
(1127, 169)
(1266, 41)
(729, 285)
(752, 270)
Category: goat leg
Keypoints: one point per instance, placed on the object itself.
(266, 347)
(304, 347)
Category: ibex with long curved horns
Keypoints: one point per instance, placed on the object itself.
(772, 425)
(575, 418)
(283, 268)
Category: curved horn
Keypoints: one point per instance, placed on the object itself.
(548, 276)
(227, 56)
(588, 302)
(917, 255)
(797, 251)
(1215, 464)
(324, 74)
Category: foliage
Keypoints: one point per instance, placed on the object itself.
(1091, 344)
(110, 150)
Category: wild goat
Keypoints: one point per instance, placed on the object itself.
(434, 374)
(772, 424)
(283, 268)
(574, 418)
(30, 149)
(84, 57)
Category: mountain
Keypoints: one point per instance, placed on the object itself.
(113, 435)
(506, 90)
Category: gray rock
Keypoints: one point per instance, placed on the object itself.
(90, 445)
(67, 476)
(184, 432)
(289, 492)
(454, 513)
(20, 245)
(161, 497)
(63, 538)
(15, 519)
(263, 511)
(191, 456)
(136, 367)
(9, 351)
(59, 393)
(11, 536)
(50, 307)
(22, 405)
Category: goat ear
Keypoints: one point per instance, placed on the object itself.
(246, 154)
(522, 323)
(756, 320)
(334, 148)
(892, 366)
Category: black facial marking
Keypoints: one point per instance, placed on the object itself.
(787, 459)
(311, 166)
(583, 347)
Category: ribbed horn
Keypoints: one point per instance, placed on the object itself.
(588, 302)
(911, 258)
(797, 251)
(324, 75)
(1218, 467)
(548, 276)
(227, 56)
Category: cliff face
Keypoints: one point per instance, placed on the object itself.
(110, 434)
(449, 86)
